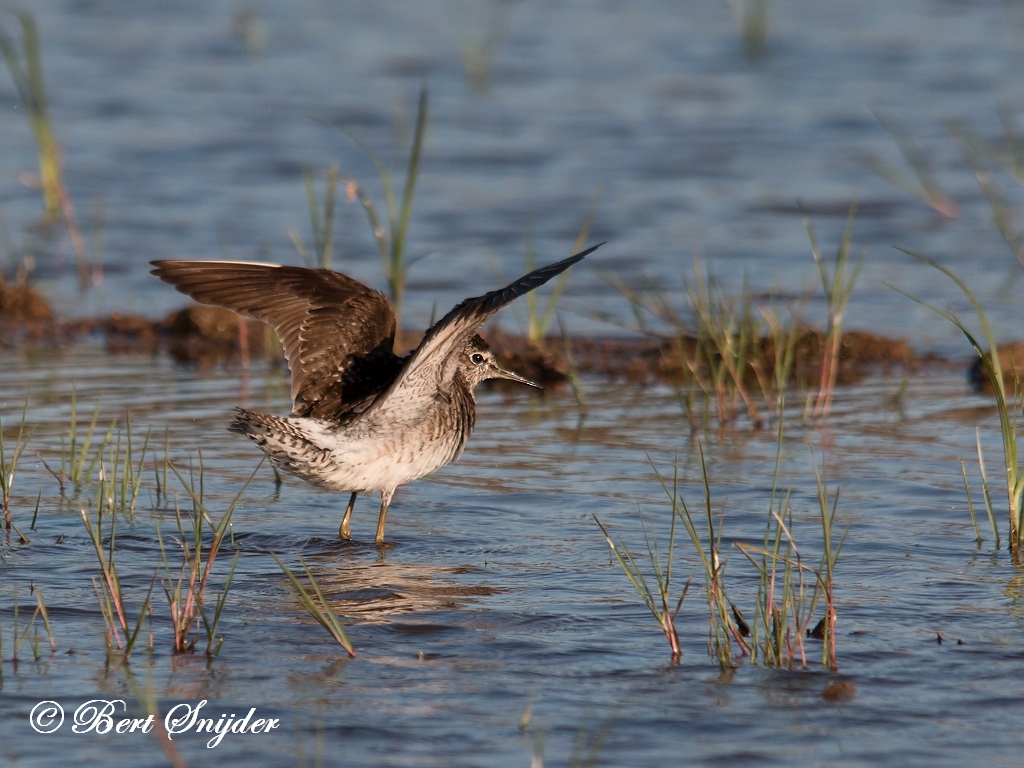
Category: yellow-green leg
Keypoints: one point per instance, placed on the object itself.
(343, 531)
(385, 500)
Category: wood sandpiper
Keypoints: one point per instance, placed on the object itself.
(363, 419)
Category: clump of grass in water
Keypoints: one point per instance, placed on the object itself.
(784, 611)
(316, 604)
(723, 631)
(107, 586)
(9, 469)
(1007, 404)
(826, 570)
(19, 636)
(785, 602)
(838, 287)
(658, 604)
(780, 618)
(391, 241)
(186, 592)
(716, 343)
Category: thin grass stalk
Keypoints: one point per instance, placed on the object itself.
(829, 557)
(26, 70)
(572, 372)
(722, 627)
(923, 184)
(979, 153)
(986, 494)
(1007, 421)
(316, 604)
(391, 241)
(185, 595)
(9, 466)
(111, 585)
(970, 506)
(213, 643)
(321, 224)
(538, 323)
(838, 287)
(659, 605)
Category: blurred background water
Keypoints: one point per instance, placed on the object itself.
(195, 141)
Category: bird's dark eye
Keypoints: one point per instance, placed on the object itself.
(477, 358)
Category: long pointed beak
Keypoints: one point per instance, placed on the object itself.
(501, 373)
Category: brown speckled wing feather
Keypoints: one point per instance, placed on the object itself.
(338, 335)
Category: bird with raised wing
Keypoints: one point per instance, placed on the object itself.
(363, 419)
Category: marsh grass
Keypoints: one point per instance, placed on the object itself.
(723, 633)
(985, 493)
(119, 480)
(25, 66)
(920, 182)
(24, 63)
(9, 467)
(751, 18)
(392, 239)
(736, 355)
(825, 574)
(186, 590)
(107, 586)
(321, 223)
(716, 342)
(538, 321)
(20, 636)
(837, 284)
(784, 337)
(73, 466)
(316, 604)
(982, 156)
(1007, 404)
(479, 51)
(572, 372)
(781, 614)
(659, 599)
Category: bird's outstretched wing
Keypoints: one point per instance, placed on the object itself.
(431, 367)
(338, 335)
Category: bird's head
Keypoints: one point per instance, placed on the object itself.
(478, 364)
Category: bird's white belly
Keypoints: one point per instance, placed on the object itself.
(370, 462)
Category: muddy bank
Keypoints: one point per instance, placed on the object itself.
(204, 335)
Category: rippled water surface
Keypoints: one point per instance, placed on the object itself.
(497, 595)
(495, 620)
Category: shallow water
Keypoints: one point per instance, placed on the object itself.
(498, 592)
